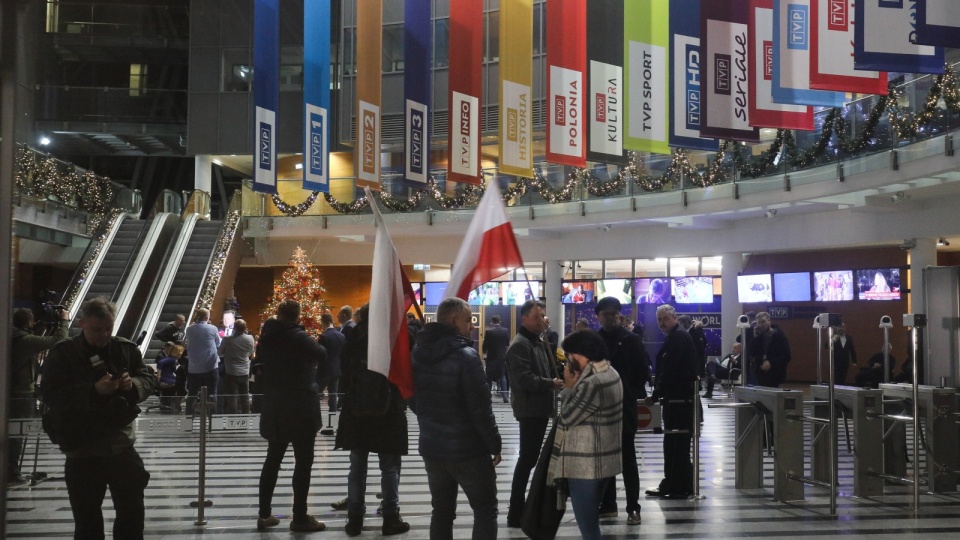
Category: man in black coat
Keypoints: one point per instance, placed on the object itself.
(333, 341)
(289, 359)
(458, 432)
(676, 374)
(627, 355)
(769, 352)
(844, 354)
(496, 339)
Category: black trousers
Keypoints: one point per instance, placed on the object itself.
(87, 480)
(677, 468)
(631, 475)
(532, 431)
(303, 463)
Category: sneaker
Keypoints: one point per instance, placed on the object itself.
(609, 513)
(264, 522)
(341, 505)
(633, 518)
(307, 524)
(394, 524)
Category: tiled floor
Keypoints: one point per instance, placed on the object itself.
(234, 460)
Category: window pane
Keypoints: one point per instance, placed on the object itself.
(618, 268)
(685, 266)
(711, 266)
(650, 268)
(588, 269)
(441, 43)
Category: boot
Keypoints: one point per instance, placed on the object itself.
(354, 524)
(710, 384)
(393, 524)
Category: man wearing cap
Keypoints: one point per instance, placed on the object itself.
(628, 357)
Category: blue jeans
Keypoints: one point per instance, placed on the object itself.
(195, 381)
(478, 478)
(389, 482)
(585, 496)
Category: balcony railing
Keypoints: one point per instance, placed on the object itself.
(147, 19)
(111, 105)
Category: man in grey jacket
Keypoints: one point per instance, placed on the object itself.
(533, 387)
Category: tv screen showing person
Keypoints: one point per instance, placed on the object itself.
(578, 292)
(833, 286)
(878, 284)
(651, 290)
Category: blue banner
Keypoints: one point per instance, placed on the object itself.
(791, 57)
(885, 39)
(938, 23)
(316, 95)
(416, 90)
(266, 93)
(686, 90)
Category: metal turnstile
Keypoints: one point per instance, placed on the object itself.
(861, 406)
(940, 434)
(751, 423)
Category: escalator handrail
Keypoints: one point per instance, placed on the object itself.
(153, 232)
(225, 237)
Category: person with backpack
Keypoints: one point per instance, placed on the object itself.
(373, 420)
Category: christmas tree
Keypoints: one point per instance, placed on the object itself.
(304, 283)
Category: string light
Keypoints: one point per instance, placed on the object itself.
(303, 282)
(220, 251)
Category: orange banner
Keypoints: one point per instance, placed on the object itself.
(369, 51)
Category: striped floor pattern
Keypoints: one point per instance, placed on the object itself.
(234, 459)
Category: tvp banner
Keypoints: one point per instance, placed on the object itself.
(416, 89)
(266, 93)
(686, 81)
(726, 107)
(831, 53)
(791, 57)
(886, 39)
(516, 80)
(605, 72)
(465, 83)
(763, 111)
(938, 23)
(316, 95)
(646, 75)
(567, 68)
(369, 52)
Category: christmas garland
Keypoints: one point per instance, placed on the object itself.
(41, 176)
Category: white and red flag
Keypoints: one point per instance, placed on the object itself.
(489, 248)
(391, 295)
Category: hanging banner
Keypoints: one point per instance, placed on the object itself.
(316, 95)
(686, 93)
(465, 83)
(369, 41)
(791, 57)
(567, 67)
(938, 23)
(605, 73)
(266, 93)
(763, 111)
(831, 52)
(726, 104)
(516, 82)
(416, 90)
(885, 39)
(646, 75)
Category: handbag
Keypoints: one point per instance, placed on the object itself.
(546, 503)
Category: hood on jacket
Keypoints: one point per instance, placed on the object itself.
(274, 331)
(436, 341)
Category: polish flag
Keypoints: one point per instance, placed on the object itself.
(391, 295)
(489, 248)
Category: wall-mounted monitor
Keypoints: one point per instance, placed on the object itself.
(693, 290)
(754, 288)
(620, 289)
(418, 292)
(515, 293)
(487, 294)
(652, 290)
(878, 284)
(578, 292)
(433, 293)
(833, 286)
(791, 287)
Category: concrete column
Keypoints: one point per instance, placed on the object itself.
(203, 173)
(552, 274)
(730, 307)
(922, 256)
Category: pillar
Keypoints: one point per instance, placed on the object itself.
(552, 274)
(203, 173)
(730, 307)
(921, 256)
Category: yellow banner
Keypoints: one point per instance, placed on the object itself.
(369, 51)
(516, 81)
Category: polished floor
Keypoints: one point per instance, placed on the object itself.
(234, 457)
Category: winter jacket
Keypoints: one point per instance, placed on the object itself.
(777, 351)
(531, 373)
(24, 348)
(451, 397)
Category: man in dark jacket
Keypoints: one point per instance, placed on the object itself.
(458, 432)
(384, 435)
(629, 358)
(288, 359)
(333, 341)
(91, 384)
(844, 354)
(533, 386)
(676, 374)
(769, 352)
(496, 339)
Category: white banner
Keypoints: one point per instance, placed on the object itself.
(727, 87)
(464, 134)
(515, 130)
(791, 57)
(885, 34)
(416, 146)
(606, 122)
(566, 126)
(834, 43)
(648, 92)
(688, 88)
(766, 113)
(265, 172)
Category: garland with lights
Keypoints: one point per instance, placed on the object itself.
(220, 251)
(303, 282)
(98, 243)
(296, 209)
(42, 176)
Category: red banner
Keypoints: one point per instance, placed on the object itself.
(567, 68)
(465, 82)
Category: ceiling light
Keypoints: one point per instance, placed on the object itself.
(298, 166)
(44, 140)
(942, 242)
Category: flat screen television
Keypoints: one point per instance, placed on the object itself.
(487, 294)
(515, 293)
(652, 290)
(878, 284)
(433, 293)
(791, 287)
(418, 292)
(754, 288)
(693, 290)
(578, 292)
(620, 289)
(833, 286)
